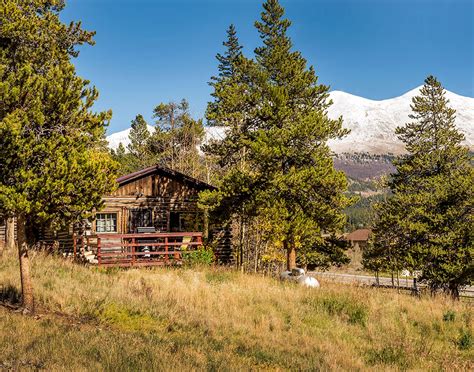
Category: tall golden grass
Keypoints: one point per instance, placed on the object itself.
(201, 319)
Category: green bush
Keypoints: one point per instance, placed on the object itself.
(465, 340)
(201, 257)
(449, 316)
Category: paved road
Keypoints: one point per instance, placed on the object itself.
(369, 280)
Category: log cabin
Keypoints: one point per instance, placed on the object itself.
(152, 197)
(156, 200)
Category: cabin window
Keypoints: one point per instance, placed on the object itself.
(175, 222)
(106, 222)
(140, 217)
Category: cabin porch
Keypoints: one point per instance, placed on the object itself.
(137, 250)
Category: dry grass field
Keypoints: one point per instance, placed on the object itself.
(214, 319)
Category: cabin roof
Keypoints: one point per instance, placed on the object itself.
(360, 235)
(167, 172)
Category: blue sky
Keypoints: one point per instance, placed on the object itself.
(149, 52)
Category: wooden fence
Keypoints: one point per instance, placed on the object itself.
(134, 250)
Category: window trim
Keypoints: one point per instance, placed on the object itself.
(117, 219)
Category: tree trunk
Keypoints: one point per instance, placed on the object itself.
(398, 282)
(206, 225)
(454, 291)
(10, 234)
(290, 255)
(244, 251)
(26, 284)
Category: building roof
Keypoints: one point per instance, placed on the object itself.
(167, 172)
(360, 235)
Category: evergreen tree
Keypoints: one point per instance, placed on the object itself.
(169, 121)
(138, 148)
(430, 213)
(123, 159)
(176, 139)
(281, 116)
(53, 166)
(227, 72)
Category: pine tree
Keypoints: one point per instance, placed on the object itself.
(138, 148)
(232, 54)
(169, 121)
(53, 166)
(283, 128)
(227, 72)
(430, 213)
(176, 139)
(124, 160)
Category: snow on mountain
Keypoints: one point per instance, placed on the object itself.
(372, 123)
(115, 138)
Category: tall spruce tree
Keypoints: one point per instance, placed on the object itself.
(227, 72)
(138, 148)
(281, 113)
(53, 165)
(429, 218)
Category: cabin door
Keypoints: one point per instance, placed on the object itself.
(140, 217)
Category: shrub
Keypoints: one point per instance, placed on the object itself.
(465, 340)
(201, 257)
(449, 316)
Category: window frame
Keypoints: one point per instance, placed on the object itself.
(108, 219)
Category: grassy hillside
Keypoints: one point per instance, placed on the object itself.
(214, 319)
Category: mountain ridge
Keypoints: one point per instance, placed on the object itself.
(372, 122)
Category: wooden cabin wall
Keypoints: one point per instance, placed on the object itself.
(159, 186)
(162, 195)
(56, 240)
(3, 230)
(221, 241)
(161, 209)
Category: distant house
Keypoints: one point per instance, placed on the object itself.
(359, 238)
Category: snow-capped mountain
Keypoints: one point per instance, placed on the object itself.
(372, 123)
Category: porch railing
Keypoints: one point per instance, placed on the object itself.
(133, 250)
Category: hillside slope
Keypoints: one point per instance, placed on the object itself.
(372, 123)
(215, 319)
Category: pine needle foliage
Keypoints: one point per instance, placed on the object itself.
(279, 165)
(429, 218)
(54, 166)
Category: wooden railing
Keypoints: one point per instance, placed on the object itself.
(130, 250)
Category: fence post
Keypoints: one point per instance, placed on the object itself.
(99, 258)
(74, 245)
(133, 251)
(166, 249)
